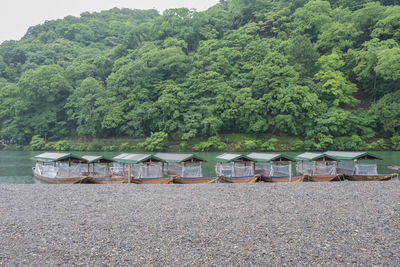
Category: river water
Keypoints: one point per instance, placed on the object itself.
(16, 166)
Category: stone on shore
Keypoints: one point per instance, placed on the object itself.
(338, 223)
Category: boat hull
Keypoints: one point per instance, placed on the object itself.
(284, 179)
(168, 180)
(49, 180)
(107, 180)
(238, 180)
(194, 180)
(370, 177)
(323, 178)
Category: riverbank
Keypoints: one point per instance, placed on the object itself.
(301, 224)
(234, 142)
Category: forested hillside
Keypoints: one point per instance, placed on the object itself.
(325, 72)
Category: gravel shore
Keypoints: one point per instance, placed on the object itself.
(342, 223)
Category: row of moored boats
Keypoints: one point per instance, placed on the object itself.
(165, 168)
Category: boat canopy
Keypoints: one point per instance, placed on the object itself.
(98, 159)
(309, 156)
(179, 158)
(137, 158)
(234, 165)
(316, 164)
(228, 157)
(53, 157)
(344, 155)
(267, 157)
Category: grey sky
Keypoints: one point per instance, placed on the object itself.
(16, 16)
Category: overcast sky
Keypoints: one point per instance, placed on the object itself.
(16, 16)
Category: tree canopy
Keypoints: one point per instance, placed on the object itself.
(313, 69)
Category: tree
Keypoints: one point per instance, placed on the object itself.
(388, 66)
(42, 94)
(82, 108)
(311, 18)
(387, 109)
(332, 84)
(389, 26)
(37, 143)
(156, 142)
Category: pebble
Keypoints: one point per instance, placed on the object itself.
(338, 223)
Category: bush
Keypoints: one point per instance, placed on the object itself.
(79, 147)
(94, 147)
(183, 145)
(297, 145)
(349, 143)
(308, 144)
(213, 143)
(323, 141)
(378, 144)
(2, 146)
(269, 145)
(49, 146)
(109, 148)
(395, 142)
(238, 146)
(37, 143)
(62, 145)
(156, 142)
(284, 147)
(252, 145)
(125, 147)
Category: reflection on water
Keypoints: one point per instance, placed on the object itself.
(16, 166)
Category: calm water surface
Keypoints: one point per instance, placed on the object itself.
(16, 166)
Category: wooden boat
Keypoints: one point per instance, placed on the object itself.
(274, 167)
(143, 169)
(239, 180)
(186, 168)
(99, 171)
(235, 168)
(286, 179)
(323, 178)
(359, 172)
(49, 180)
(394, 168)
(195, 180)
(160, 180)
(381, 177)
(317, 167)
(106, 180)
(59, 168)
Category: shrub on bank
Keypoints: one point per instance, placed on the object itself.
(126, 147)
(79, 147)
(62, 145)
(297, 145)
(379, 144)
(252, 145)
(94, 146)
(109, 148)
(156, 142)
(395, 142)
(37, 143)
(270, 145)
(184, 145)
(213, 143)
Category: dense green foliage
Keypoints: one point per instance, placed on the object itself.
(324, 72)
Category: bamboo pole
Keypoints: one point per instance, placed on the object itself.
(355, 166)
(130, 173)
(290, 171)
